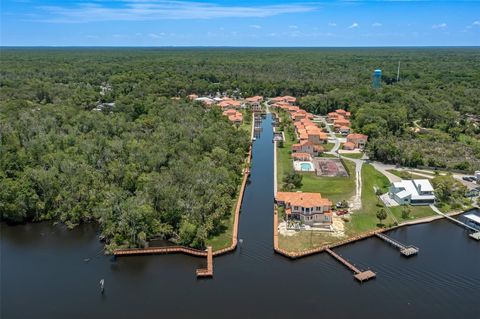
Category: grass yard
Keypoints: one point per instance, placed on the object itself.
(224, 239)
(365, 219)
(352, 155)
(328, 147)
(415, 212)
(333, 188)
(306, 240)
(405, 174)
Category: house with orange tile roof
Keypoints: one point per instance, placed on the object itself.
(255, 102)
(349, 146)
(286, 99)
(234, 116)
(332, 116)
(229, 103)
(301, 157)
(309, 208)
(344, 130)
(306, 146)
(359, 140)
(343, 113)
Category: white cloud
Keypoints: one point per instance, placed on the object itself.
(354, 25)
(476, 23)
(255, 26)
(439, 26)
(376, 24)
(141, 10)
(293, 27)
(156, 35)
(332, 24)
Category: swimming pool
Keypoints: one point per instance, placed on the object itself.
(306, 166)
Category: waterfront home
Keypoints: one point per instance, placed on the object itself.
(228, 103)
(309, 208)
(255, 103)
(412, 192)
(234, 116)
(307, 147)
(302, 157)
(359, 140)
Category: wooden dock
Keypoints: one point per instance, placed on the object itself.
(404, 250)
(161, 250)
(207, 272)
(360, 275)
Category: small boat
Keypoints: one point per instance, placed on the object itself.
(102, 285)
(254, 139)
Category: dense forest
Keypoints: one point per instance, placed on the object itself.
(149, 166)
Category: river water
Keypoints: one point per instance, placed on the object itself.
(50, 272)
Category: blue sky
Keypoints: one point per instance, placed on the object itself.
(239, 23)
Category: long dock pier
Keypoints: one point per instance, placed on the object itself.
(475, 235)
(202, 272)
(404, 250)
(360, 275)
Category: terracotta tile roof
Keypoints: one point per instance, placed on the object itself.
(341, 111)
(356, 136)
(254, 99)
(302, 199)
(349, 145)
(301, 155)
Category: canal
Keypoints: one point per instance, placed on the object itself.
(50, 272)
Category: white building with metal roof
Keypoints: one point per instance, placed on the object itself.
(412, 192)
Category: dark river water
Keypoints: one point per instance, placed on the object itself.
(44, 275)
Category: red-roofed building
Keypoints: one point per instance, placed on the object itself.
(306, 146)
(309, 208)
(301, 157)
(348, 146)
(359, 140)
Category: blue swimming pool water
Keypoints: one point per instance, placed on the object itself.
(305, 166)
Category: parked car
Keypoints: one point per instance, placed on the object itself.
(342, 212)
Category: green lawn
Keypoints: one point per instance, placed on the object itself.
(224, 239)
(328, 147)
(365, 219)
(405, 174)
(352, 155)
(333, 188)
(416, 212)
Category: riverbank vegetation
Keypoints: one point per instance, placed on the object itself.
(144, 168)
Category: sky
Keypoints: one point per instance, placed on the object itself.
(269, 23)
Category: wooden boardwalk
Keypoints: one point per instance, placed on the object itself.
(404, 250)
(360, 275)
(207, 272)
